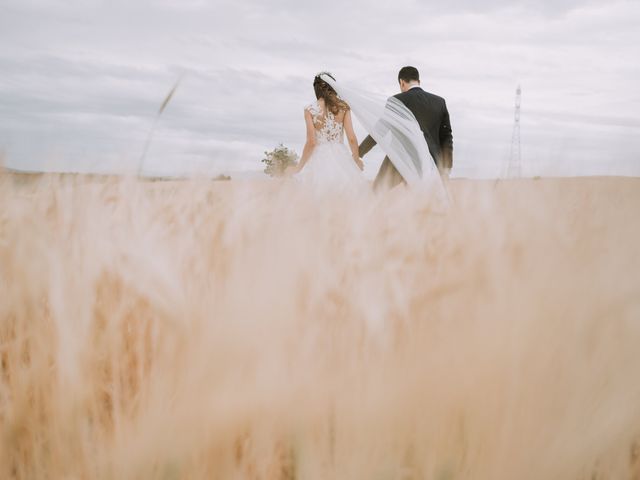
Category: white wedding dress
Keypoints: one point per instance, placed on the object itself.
(330, 166)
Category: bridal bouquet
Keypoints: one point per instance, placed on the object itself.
(278, 160)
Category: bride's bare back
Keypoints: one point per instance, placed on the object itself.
(329, 127)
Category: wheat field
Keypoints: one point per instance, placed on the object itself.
(192, 329)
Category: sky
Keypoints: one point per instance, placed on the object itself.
(81, 81)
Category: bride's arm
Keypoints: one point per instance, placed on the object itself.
(351, 138)
(310, 143)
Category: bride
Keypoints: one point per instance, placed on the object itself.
(326, 160)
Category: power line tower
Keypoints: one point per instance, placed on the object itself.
(514, 168)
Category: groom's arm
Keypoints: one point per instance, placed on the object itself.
(366, 145)
(446, 140)
(382, 126)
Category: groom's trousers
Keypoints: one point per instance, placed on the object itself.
(388, 176)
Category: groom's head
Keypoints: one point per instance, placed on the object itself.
(408, 77)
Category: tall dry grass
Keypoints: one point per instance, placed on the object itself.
(188, 329)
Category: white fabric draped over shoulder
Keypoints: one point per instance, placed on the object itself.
(395, 129)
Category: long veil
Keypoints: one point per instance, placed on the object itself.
(395, 129)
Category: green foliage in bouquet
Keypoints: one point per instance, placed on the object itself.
(278, 160)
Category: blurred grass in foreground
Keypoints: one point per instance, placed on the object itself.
(191, 329)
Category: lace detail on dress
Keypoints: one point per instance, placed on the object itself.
(328, 130)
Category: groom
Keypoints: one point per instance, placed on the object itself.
(433, 118)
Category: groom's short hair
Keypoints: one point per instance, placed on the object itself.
(409, 74)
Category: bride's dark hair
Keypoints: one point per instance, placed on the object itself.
(325, 91)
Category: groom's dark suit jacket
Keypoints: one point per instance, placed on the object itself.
(433, 117)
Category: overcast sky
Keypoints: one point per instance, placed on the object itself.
(82, 80)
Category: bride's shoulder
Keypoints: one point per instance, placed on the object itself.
(313, 107)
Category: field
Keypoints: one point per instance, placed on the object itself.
(192, 329)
